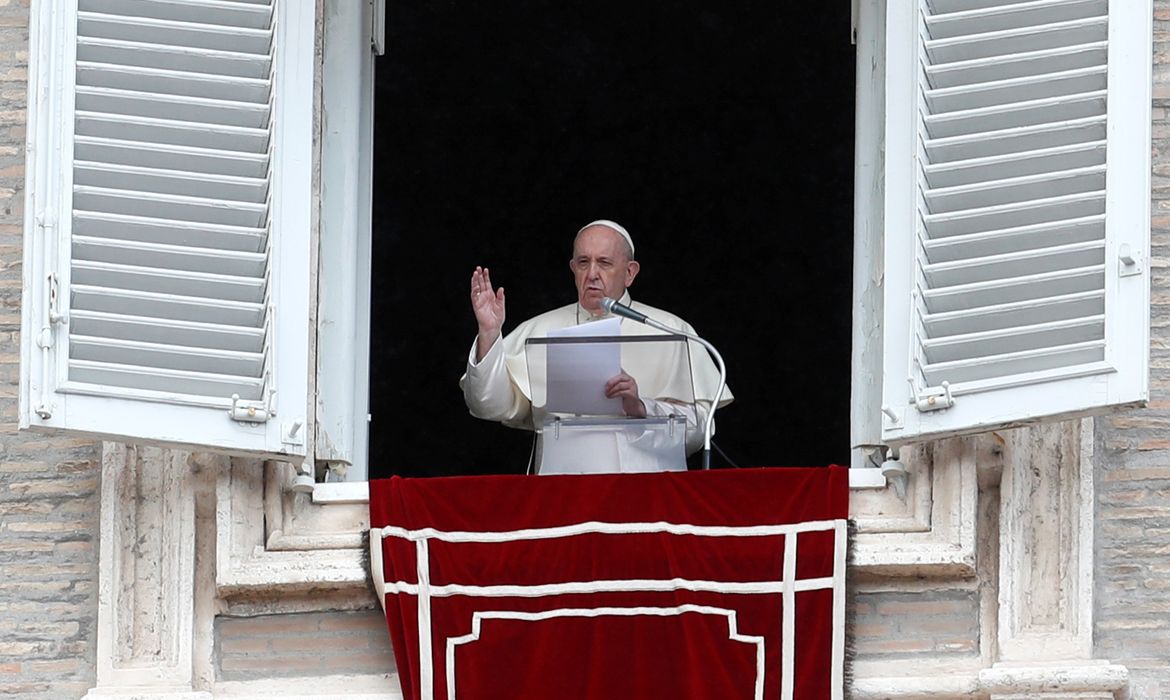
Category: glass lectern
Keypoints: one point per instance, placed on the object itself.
(580, 431)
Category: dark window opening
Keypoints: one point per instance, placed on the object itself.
(720, 135)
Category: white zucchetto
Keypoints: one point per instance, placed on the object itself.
(614, 226)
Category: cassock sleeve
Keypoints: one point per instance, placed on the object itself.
(489, 391)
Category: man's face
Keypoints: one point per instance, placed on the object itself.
(601, 267)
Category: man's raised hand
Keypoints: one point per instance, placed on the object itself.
(488, 305)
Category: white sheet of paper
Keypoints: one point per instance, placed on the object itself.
(577, 372)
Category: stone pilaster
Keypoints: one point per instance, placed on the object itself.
(1045, 630)
(146, 575)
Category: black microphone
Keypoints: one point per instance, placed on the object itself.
(614, 307)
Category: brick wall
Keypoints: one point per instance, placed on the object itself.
(893, 625)
(48, 486)
(305, 644)
(1133, 476)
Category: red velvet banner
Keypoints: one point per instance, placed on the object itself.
(707, 584)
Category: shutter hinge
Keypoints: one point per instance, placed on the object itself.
(52, 316)
(1129, 261)
(893, 419)
(47, 223)
(935, 398)
(55, 315)
(252, 411)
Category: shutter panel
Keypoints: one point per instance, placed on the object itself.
(1017, 212)
(168, 265)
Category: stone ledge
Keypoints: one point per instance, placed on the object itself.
(952, 685)
(1087, 679)
(1093, 677)
(358, 687)
(140, 694)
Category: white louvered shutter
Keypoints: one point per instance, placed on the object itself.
(168, 221)
(1017, 200)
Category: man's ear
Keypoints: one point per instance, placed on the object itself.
(632, 268)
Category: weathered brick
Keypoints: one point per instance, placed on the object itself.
(279, 645)
(313, 644)
(13, 649)
(53, 487)
(55, 668)
(896, 624)
(48, 483)
(49, 526)
(21, 546)
(243, 646)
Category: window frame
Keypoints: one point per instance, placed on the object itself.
(351, 37)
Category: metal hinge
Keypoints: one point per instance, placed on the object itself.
(47, 223)
(253, 411)
(55, 315)
(1129, 261)
(935, 398)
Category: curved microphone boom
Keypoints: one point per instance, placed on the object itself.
(615, 307)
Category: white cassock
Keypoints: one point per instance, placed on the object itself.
(499, 388)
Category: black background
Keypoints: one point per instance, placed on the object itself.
(719, 134)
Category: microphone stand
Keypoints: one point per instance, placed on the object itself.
(622, 310)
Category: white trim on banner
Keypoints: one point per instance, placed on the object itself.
(788, 586)
(478, 617)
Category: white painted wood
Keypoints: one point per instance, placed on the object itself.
(1006, 289)
(343, 335)
(378, 26)
(866, 369)
(169, 180)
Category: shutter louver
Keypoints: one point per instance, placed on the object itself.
(1007, 225)
(184, 199)
(170, 198)
(1009, 273)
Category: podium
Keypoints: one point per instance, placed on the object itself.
(579, 431)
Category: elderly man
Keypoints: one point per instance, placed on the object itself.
(496, 385)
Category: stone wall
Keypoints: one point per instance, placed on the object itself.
(48, 485)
